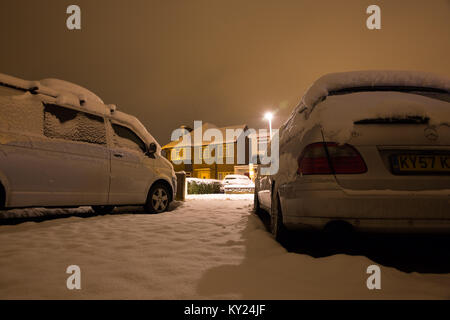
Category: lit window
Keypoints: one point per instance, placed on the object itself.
(207, 153)
(178, 154)
(230, 150)
(219, 151)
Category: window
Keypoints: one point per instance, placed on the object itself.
(219, 150)
(198, 153)
(230, 151)
(126, 138)
(433, 93)
(208, 154)
(178, 154)
(69, 124)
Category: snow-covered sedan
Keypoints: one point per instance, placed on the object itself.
(236, 183)
(60, 145)
(366, 150)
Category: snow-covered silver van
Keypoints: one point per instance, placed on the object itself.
(60, 145)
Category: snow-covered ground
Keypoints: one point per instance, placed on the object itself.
(208, 247)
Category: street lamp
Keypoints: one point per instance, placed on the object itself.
(268, 116)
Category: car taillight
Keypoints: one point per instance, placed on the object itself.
(329, 158)
(314, 160)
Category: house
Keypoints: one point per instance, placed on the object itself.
(206, 159)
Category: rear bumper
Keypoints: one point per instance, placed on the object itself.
(378, 211)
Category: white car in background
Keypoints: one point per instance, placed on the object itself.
(367, 151)
(237, 183)
(60, 145)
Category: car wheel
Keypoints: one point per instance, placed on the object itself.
(158, 199)
(103, 209)
(277, 227)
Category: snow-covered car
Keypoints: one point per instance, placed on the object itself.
(236, 183)
(60, 145)
(366, 150)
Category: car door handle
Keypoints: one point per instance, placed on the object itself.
(118, 155)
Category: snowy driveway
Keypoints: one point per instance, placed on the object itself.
(201, 249)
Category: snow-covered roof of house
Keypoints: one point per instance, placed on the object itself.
(206, 126)
(70, 94)
(374, 78)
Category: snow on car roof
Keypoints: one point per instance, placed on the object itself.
(64, 86)
(240, 176)
(372, 78)
(70, 94)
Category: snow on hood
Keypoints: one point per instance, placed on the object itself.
(337, 81)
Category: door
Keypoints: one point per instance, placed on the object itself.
(203, 173)
(131, 169)
(70, 160)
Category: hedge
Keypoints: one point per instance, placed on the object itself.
(197, 186)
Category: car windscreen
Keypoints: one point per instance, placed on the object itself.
(433, 93)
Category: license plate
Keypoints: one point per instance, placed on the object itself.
(421, 163)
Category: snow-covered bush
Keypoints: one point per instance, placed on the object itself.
(203, 186)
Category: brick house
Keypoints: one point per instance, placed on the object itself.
(175, 152)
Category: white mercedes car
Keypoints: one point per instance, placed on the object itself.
(367, 151)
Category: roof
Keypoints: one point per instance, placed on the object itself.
(72, 95)
(206, 126)
(371, 78)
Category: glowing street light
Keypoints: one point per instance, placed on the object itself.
(268, 116)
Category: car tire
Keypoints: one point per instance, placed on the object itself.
(279, 231)
(158, 199)
(103, 209)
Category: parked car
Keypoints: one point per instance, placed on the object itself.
(367, 151)
(60, 145)
(236, 183)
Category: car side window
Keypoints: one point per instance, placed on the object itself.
(126, 138)
(73, 125)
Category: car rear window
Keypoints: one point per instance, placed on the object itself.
(433, 93)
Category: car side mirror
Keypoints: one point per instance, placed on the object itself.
(151, 149)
